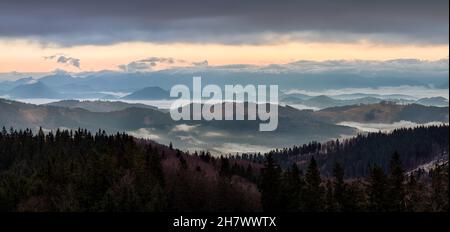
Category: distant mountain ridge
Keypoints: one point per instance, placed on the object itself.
(324, 101)
(33, 89)
(291, 76)
(8, 85)
(154, 86)
(59, 79)
(148, 93)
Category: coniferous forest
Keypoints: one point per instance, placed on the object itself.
(83, 171)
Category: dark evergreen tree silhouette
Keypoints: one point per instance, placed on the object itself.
(378, 190)
(339, 187)
(270, 185)
(396, 191)
(314, 193)
(291, 189)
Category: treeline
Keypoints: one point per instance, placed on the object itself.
(80, 171)
(416, 146)
(394, 191)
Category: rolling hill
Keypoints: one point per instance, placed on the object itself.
(433, 101)
(221, 136)
(99, 106)
(294, 126)
(384, 112)
(21, 115)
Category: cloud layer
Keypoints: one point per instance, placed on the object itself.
(230, 22)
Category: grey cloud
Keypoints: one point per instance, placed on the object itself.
(155, 60)
(200, 63)
(62, 59)
(69, 60)
(50, 57)
(231, 22)
(147, 63)
(135, 66)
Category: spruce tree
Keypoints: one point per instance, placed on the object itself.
(378, 188)
(330, 203)
(270, 185)
(291, 189)
(439, 188)
(339, 187)
(313, 197)
(396, 189)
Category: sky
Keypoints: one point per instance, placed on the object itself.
(80, 36)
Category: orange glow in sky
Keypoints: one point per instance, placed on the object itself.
(26, 56)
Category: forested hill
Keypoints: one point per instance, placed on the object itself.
(416, 146)
(80, 171)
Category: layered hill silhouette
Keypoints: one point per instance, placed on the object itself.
(294, 126)
(99, 106)
(384, 112)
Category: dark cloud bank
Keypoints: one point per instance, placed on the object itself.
(230, 22)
